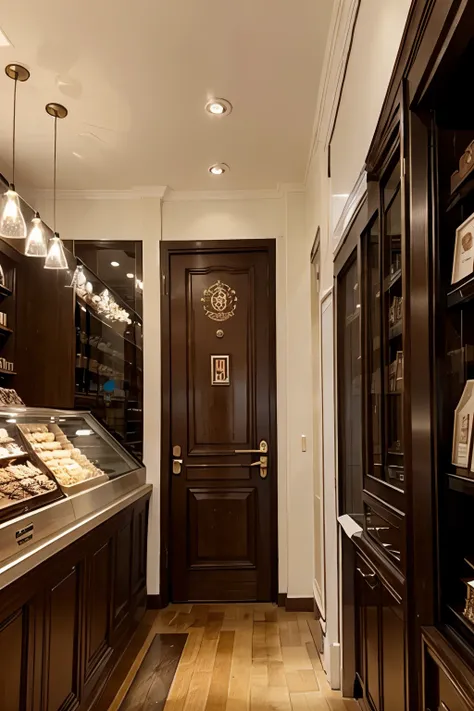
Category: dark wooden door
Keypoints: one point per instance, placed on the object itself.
(222, 399)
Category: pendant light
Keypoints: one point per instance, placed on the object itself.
(12, 222)
(36, 242)
(56, 257)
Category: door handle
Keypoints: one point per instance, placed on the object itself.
(370, 578)
(263, 449)
(177, 464)
(263, 464)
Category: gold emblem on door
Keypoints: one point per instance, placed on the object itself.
(219, 301)
(220, 370)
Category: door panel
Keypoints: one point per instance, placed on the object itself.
(14, 666)
(98, 608)
(61, 671)
(393, 657)
(222, 527)
(222, 399)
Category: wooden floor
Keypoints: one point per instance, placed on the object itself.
(240, 657)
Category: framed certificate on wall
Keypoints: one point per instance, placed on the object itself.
(463, 421)
(463, 262)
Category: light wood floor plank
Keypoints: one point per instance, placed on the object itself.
(308, 701)
(245, 657)
(198, 691)
(302, 680)
(219, 689)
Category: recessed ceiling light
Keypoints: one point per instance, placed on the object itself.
(114, 264)
(218, 168)
(218, 107)
(4, 41)
(130, 275)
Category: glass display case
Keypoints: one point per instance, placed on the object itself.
(48, 454)
(109, 359)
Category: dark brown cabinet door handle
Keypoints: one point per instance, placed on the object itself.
(370, 578)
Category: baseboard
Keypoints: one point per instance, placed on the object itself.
(282, 599)
(153, 602)
(299, 604)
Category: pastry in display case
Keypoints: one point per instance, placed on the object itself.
(25, 483)
(58, 469)
(66, 462)
(48, 454)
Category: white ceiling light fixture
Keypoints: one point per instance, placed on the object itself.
(130, 275)
(56, 258)
(12, 222)
(218, 168)
(114, 264)
(218, 107)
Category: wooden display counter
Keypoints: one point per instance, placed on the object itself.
(65, 623)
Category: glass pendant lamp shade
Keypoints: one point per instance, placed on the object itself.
(36, 242)
(12, 222)
(56, 257)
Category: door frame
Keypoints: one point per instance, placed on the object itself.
(167, 250)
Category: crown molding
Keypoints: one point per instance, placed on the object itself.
(207, 195)
(336, 58)
(136, 193)
(164, 193)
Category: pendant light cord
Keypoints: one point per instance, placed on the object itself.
(54, 172)
(14, 128)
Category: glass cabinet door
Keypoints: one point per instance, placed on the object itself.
(384, 311)
(374, 352)
(350, 389)
(393, 326)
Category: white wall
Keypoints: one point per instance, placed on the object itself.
(377, 37)
(271, 214)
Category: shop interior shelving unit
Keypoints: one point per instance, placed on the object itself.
(109, 365)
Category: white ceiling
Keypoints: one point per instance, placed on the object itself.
(135, 77)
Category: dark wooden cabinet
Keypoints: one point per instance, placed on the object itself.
(417, 322)
(64, 625)
(380, 640)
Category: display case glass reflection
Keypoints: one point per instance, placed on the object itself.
(109, 359)
(46, 452)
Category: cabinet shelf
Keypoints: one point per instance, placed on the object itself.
(391, 280)
(464, 189)
(395, 331)
(461, 293)
(4, 331)
(4, 292)
(7, 372)
(462, 484)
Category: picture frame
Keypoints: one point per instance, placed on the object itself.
(463, 261)
(463, 421)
